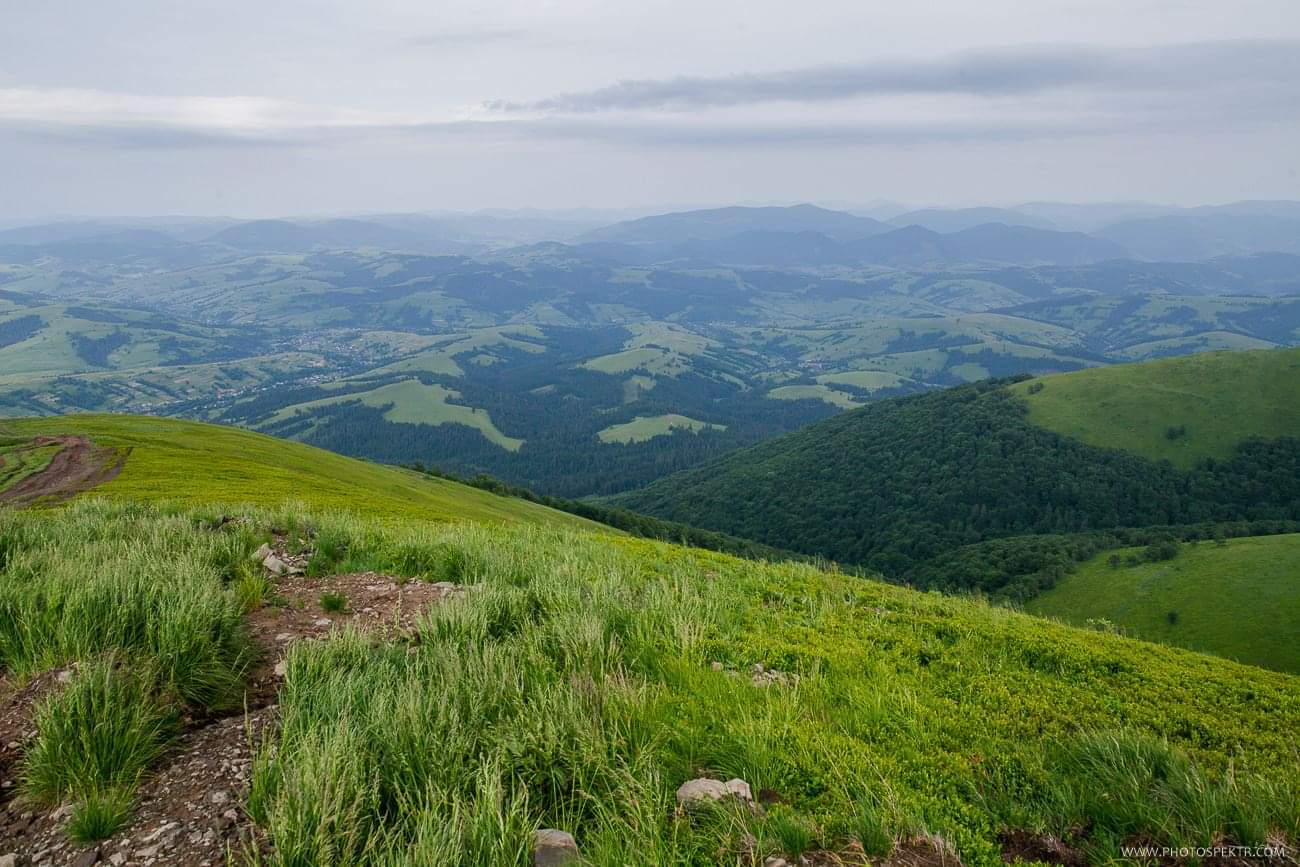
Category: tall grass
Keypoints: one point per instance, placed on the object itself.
(99, 577)
(573, 685)
(98, 734)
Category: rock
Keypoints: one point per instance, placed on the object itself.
(117, 859)
(553, 848)
(275, 565)
(148, 852)
(323, 621)
(280, 669)
(739, 789)
(263, 552)
(693, 793)
(9, 860)
(220, 798)
(717, 666)
(775, 861)
(88, 858)
(64, 676)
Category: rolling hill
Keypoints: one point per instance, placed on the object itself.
(430, 692)
(1238, 598)
(194, 463)
(903, 480)
(1182, 410)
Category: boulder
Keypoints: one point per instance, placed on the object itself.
(8, 860)
(275, 565)
(554, 848)
(705, 790)
(263, 552)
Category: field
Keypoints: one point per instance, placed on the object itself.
(412, 402)
(575, 682)
(1177, 409)
(813, 392)
(1240, 599)
(870, 380)
(196, 463)
(644, 428)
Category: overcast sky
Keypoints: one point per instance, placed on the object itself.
(284, 107)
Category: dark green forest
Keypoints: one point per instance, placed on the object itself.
(899, 483)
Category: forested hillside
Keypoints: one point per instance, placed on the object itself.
(897, 483)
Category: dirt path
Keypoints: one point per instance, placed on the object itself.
(77, 466)
(190, 810)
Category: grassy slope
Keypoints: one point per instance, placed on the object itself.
(644, 428)
(413, 402)
(574, 688)
(1220, 397)
(813, 392)
(1240, 600)
(198, 463)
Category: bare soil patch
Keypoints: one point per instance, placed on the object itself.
(77, 466)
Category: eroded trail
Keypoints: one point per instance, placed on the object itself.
(77, 466)
(189, 811)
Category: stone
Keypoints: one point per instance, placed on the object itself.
(149, 851)
(717, 666)
(64, 676)
(9, 860)
(775, 861)
(263, 552)
(88, 858)
(280, 669)
(220, 798)
(323, 621)
(703, 789)
(554, 848)
(740, 789)
(275, 565)
(117, 859)
(693, 793)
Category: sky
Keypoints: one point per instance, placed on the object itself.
(303, 107)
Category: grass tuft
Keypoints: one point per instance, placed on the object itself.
(100, 815)
(99, 733)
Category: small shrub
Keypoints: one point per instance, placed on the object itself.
(333, 603)
(100, 815)
(1171, 617)
(1158, 552)
(1114, 561)
(1175, 432)
(1035, 387)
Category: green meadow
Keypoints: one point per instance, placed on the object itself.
(1177, 409)
(1239, 598)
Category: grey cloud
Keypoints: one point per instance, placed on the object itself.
(464, 38)
(1004, 71)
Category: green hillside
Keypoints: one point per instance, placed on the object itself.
(199, 464)
(1239, 598)
(575, 682)
(897, 483)
(1177, 409)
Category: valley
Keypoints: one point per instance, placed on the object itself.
(518, 361)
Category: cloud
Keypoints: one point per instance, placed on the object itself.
(1037, 93)
(465, 38)
(996, 72)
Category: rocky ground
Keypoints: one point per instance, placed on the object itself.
(189, 812)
